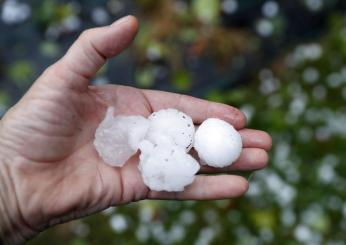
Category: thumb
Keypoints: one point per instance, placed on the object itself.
(92, 49)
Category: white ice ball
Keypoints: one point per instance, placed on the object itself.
(118, 138)
(176, 125)
(166, 167)
(218, 144)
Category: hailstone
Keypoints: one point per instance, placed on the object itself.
(166, 167)
(117, 138)
(175, 125)
(217, 142)
(164, 140)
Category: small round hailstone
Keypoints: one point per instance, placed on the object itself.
(218, 144)
(166, 167)
(174, 124)
(117, 138)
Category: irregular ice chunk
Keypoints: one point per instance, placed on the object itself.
(174, 124)
(218, 144)
(166, 168)
(118, 138)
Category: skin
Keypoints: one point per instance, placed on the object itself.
(46, 139)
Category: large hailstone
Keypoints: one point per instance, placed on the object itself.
(175, 125)
(218, 144)
(166, 167)
(117, 138)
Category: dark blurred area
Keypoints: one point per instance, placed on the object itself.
(281, 62)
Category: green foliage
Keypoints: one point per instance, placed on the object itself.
(182, 80)
(49, 49)
(51, 12)
(4, 98)
(145, 77)
(206, 11)
(264, 219)
(21, 72)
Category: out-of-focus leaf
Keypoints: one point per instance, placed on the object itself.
(321, 223)
(155, 50)
(79, 241)
(5, 98)
(264, 218)
(46, 11)
(63, 11)
(216, 96)
(182, 80)
(145, 77)
(147, 3)
(206, 11)
(49, 49)
(21, 72)
(188, 35)
(52, 11)
(237, 96)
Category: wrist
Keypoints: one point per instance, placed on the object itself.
(13, 229)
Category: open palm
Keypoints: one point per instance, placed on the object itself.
(47, 138)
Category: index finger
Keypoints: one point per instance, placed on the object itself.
(198, 109)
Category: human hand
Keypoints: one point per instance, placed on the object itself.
(48, 162)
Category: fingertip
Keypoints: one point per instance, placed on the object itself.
(242, 186)
(262, 159)
(228, 113)
(94, 46)
(256, 139)
(120, 35)
(133, 21)
(232, 186)
(128, 25)
(242, 120)
(265, 139)
(251, 159)
(129, 19)
(246, 186)
(269, 141)
(236, 116)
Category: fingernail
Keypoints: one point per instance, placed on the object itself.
(121, 20)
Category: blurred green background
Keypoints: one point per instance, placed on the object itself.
(282, 62)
